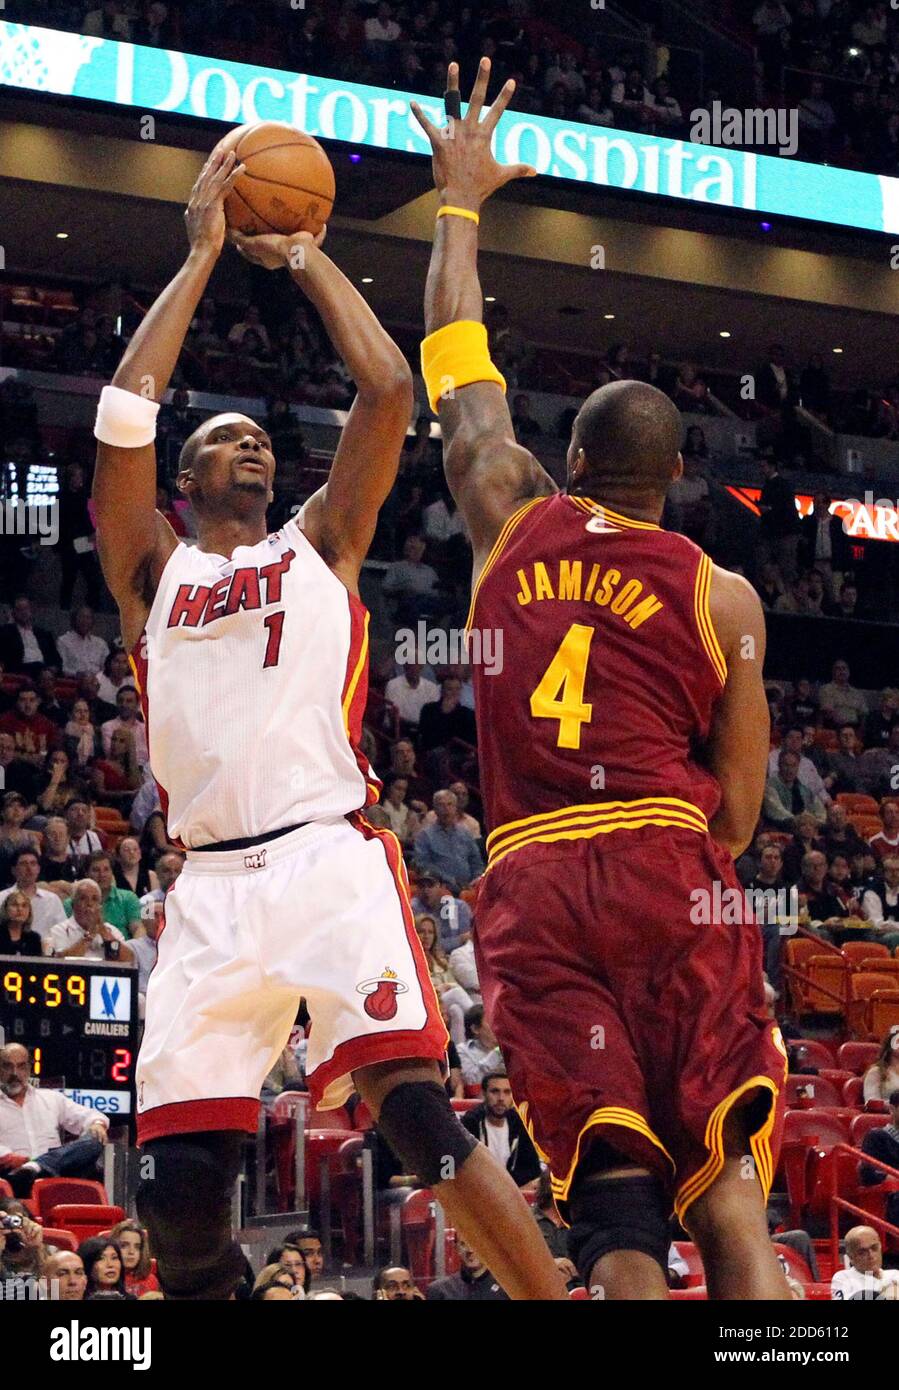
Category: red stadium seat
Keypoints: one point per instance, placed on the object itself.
(882, 1012)
(419, 1233)
(832, 972)
(852, 1092)
(63, 1240)
(464, 1104)
(880, 966)
(5, 1189)
(806, 1132)
(49, 1192)
(863, 1124)
(863, 984)
(796, 1265)
(696, 1294)
(838, 1077)
(814, 1052)
(580, 1294)
(691, 1257)
(855, 803)
(85, 1219)
(857, 1056)
(362, 1117)
(860, 951)
(812, 1092)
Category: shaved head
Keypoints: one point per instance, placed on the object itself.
(625, 439)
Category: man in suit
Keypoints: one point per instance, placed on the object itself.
(24, 648)
(822, 542)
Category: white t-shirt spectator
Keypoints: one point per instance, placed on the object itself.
(66, 935)
(848, 1282)
(409, 700)
(874, 1088)
(107, 690)
(439, 523)
(81, 655)
(236, 335)
(409, 577)
(463, 965)
(88, 843)
(46, 911)
(478, 1061)
(40, 1122)
(378, 32)
(498, 1141)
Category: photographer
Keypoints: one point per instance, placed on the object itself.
(85, 933)
(22, 1253)
(32, 1123)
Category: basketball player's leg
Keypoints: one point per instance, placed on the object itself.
(619, 1234)
(729, 1224)
(479, 1197)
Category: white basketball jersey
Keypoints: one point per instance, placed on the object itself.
(253, 673)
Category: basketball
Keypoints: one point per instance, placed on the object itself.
(288, 183)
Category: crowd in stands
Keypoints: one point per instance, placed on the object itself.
(833, 62)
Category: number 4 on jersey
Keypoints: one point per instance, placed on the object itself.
(560, 694)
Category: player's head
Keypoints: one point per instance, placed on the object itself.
(625, 442)
(226, 467)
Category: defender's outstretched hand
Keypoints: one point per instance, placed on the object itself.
(465, 170)
(271, 250)
(205, 214)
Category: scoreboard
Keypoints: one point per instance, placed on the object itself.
(78, 1019)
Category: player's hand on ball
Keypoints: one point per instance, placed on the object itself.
(465, 170)
(205, 215)
(272, 250)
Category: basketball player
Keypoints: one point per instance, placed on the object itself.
(251, 655)
(636, 1042)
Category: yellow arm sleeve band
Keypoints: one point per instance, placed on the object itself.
(456, 356)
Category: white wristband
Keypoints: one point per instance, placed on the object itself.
(124, 419)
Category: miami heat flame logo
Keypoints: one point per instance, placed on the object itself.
(381, 992)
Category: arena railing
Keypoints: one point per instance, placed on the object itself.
(839, 1204)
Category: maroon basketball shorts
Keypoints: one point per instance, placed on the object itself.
(619, 1017)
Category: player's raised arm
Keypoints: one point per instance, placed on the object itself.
(340, 519)
(133, 539)
(489, 474)
(741, 730)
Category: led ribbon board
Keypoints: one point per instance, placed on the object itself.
(153, 79)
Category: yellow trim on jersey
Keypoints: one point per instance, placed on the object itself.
(498, 546)
(703, 612)
(586, 504)
(759, 1143)
(351, 688)
(133, 664)
(598, 818)
(606, 1115)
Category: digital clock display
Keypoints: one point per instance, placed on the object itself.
(78, 1020)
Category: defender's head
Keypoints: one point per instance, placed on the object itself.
(625, 441)
(227, 467)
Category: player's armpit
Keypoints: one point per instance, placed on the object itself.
(489, 474)
(737, 751)
(134, 540)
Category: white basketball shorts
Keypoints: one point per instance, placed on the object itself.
(321, 913)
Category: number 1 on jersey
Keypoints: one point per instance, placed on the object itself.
(560, 694)
(275, 624)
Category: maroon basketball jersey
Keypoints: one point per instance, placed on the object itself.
(610, 669)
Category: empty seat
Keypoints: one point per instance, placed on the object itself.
(857, 802)
(85, 1219)
(857, 1056)
(47, 1193)
(882, 1012)
(859, 951)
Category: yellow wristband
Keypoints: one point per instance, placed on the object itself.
(459, 212)
(455, 356)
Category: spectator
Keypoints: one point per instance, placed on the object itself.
(77, 555)
(840, 837)
(840, 702)
(81, 736)
(85, 934)
(452, 914)
(525, 426)
(144, 948)
(119, 906)
(814, 383)
(32, 1123)
(17, 938)
(285, 1075)
(664, 108)
(445, 849)
(394, 1284)
(82, 651)
(819, 897)
(130, 870)
(24, 648)
(796, 599)
(12, 837)
(48, 692)
(64, 1272)
(381, 30)
(273, 1285)
(135, 1251)
(780, 519)
(34, 734)
(769, 585)
(83, 841)
(882, 1077)
(16, 775)
(250, 323)
(454, 999)
(23, 1254)
(128, 707)
(464, 967)
(765, 886)
(108, 21)
(883, 1144)
(402, 819)
(57, 786)
(103, 1265)
(446, 719)
(479, 1055)
(411, 582)
(46, 908)
(165, 870)
(496, 1124)
(116, 673)
(596, 108)
(117, 776)
(409, 692)
(886, 841)
(467, 822)
(308, 1242)
(403, 764)
(155, 29)
(842, 774)
(806, 839)
(865, 1273)
(786, 797)
(808, 774)
(473, 1280)
(880, 723)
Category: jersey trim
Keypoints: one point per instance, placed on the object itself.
(701, 607)
(498, 546)
(598, 818)
(630, 523)
(355, 695)
(759, 1143)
